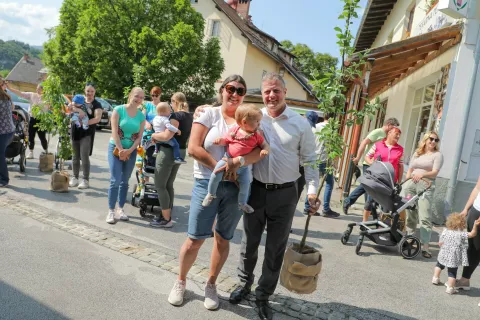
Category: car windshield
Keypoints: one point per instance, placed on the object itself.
(16, 98)
(105, 104)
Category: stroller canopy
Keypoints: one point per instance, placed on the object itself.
(378, 181)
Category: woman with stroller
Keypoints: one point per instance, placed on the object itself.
(35, 98)
(127, 130)
(165, 167)
(6, 131)
(213, 123)
(387, 150)
(82, 139)
(425, 164)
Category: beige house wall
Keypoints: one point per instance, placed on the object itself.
(233, 45)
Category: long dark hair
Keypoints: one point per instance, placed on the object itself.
(3, 94)
(233, 77)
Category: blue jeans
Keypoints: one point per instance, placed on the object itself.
(244, 179)
(5, 140)
(357, 193)
(224, 208)
(322, 167)
(175, 146)
(120, 172)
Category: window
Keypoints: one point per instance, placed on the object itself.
(193, 1)
(215, 31)
(281, 72)
(410, 16)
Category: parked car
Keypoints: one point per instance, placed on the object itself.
(107, 114)
(19, 101)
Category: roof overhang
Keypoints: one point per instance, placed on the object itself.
(376, 13)
(398, 60)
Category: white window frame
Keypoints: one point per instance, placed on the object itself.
(215, 32)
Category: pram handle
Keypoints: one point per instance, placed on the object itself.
(428, 183)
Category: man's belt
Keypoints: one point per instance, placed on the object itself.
(273, 186)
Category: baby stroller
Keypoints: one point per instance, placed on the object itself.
(144, 193)
(378, 182)
(19, 143)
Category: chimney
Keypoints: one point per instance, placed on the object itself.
(242, 7)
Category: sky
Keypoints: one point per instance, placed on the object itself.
(302, 21)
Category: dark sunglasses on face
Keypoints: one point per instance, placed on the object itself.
(155, 95)
(231, 90)
(434, 139)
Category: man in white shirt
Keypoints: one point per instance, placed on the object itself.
(274, 192)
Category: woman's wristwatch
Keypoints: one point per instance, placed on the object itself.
(242, 160)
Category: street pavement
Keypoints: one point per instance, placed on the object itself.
(378, 284)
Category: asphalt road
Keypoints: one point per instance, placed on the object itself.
(378, 280)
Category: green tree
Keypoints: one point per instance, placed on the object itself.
(12, 51)
(308, 61)
(124, 43)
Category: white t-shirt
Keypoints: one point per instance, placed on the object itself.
(476, 203)
(161, 122)
(213, 119)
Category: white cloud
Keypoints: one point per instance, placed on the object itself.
(26, 22)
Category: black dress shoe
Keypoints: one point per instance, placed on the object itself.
(264, 310)
(239, 294)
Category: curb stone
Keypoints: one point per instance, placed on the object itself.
(295, 308)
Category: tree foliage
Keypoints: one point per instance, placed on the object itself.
(12, 51)
(308, 61)
(124, 43)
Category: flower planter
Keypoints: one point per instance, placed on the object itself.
(46, 162)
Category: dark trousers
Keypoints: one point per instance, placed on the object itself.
(301, 182)
(276, 209)
(32, 131)
(357, 193)
(81, 151)
(473, 251)
(452, 272)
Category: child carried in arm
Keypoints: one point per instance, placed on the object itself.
(240, 140)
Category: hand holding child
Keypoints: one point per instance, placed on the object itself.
(263, 153)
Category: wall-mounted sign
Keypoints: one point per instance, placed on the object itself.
(454, 8)
(434, 20)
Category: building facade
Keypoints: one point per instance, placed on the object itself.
(424, 64)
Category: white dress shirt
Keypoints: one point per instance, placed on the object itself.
(291, 142)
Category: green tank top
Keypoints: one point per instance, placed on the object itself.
(128, 127)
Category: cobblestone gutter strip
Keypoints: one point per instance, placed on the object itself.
(295, 308)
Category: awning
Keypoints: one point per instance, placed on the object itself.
(398, 60)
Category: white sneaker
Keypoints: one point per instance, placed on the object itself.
(176, 295)
(111, 217)
(84, 184)
(436, 281)
(451, 290)
(73, 182)
(121, 214)
(30, 155)
(211, 297)
(208, 200)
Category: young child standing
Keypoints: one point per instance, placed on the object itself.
(453, 251)
(78, 101)
(162, 122)
(240, 140)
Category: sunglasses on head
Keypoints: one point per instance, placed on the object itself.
(231, 90)
(90, 84)
(434, 139)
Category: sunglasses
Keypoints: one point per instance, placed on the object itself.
(90, 84)
(155, 95)
(434, 139)
(231, 90)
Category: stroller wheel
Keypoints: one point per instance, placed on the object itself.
(409, 247)
(134, 190)
(22, 161)
(359, 245)
(345, 237)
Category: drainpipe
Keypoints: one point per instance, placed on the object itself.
(452, 183)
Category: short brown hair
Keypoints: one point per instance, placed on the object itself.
(247, 111)
(156, 90)
(456, 221)
(392, 122)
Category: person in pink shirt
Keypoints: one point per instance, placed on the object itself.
(240, 140)
(386, 150)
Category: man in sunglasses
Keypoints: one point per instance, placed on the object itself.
(274, 192)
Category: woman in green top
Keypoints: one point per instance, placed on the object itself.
(128, 123)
